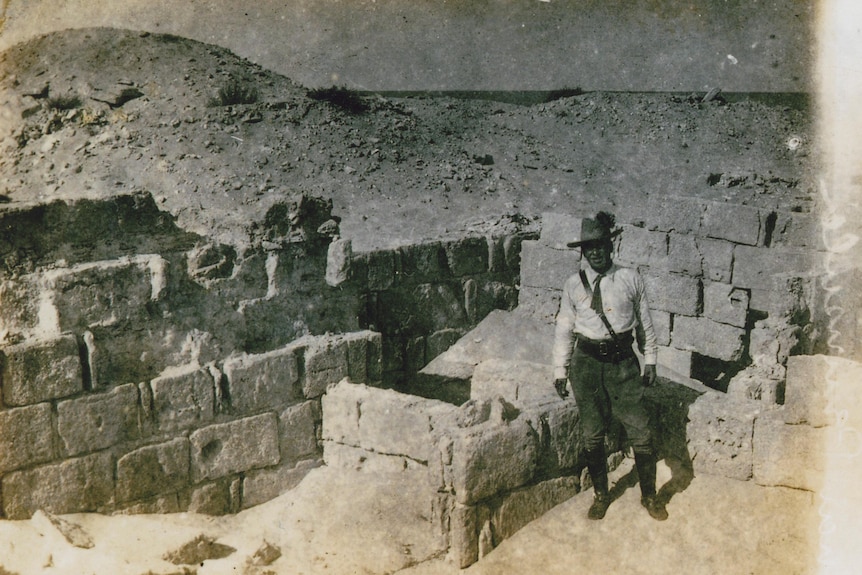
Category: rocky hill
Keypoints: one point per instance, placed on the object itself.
(95, 112)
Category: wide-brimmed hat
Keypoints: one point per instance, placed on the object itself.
(596, 229)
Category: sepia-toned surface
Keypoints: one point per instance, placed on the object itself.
(637, 76)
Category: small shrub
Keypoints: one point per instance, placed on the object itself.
(69, 102)
(340, 97)
(235, 92)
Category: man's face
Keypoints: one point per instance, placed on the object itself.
(598, 255)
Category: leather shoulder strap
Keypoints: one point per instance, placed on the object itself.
(601, 313)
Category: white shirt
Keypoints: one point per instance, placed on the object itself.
(625, 304)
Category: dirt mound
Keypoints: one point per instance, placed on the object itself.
(91, 113)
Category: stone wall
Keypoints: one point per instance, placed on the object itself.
(146, 369)
(734, 289)
(788, 445)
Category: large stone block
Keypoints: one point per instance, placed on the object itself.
(105, 293)
(669, 213)
(98, 421)
(358, 459)
(540, 303)
(26, 436)
(520, 382)
(524, 505)
(673, 293)
(383, 411)
(798, 230)
(440, 341)
(683, 255)
(477, 453)
(676, 360)
(144, 352)
(559, 229)
(709, 338)
(153, 470)
(755, 267)
(736, 223)
(642, 247)
(363, 355)
(423, 263)
(788, 455)
(264, 485)
(341, 410)
(214, 498)
(260, 381)
(559, 430)
(436, 307)
(380, 269)
(234, 447)
(467, 256)
(325, 364)
(72, 486)
(161, 504)
(298, 431)
(725, 304)
(338, 258)
(37, 371)
(717, 259)
(720, 432)
(543, 267)
(823, 390)
(464, 535)
(21, 304)
(183, 398)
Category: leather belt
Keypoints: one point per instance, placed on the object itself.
(607, 350)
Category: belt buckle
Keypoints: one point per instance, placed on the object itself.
(603, 348)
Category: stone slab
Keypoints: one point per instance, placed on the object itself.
(257, 382)
(153, 470)
(720, 432)
(788, 455)
(539, 303)
(756, 267)
(544, 267)
(264, 485)
(673, 293)
(234, 447)
(639, 246)
(26, 436)
(100, 420)
(709, 338)
(476, 472)
(524, 505)
(467, 256)
(183, 398)
(519, 382)
(40, 370)
(297, 431)
(733, 222)
(509, 335)
(725, 304)
(105, 293)
(72, 486)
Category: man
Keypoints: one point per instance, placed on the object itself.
(602, 311)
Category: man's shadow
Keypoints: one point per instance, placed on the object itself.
(668, 403)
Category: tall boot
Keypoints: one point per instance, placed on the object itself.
(646, 465)
(597, 464)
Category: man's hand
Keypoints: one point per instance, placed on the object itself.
(649, 375)
(560, 386)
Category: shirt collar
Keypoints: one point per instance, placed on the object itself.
(592, 274)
